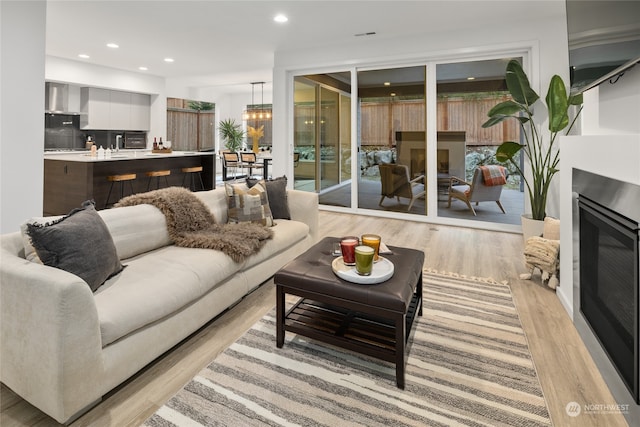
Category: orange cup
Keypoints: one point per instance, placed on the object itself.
(372, 240)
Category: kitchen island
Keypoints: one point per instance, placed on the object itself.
(70, 178)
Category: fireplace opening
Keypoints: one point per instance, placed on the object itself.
(608, 247)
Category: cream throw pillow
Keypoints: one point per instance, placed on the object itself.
(551, 228)
(246, 204)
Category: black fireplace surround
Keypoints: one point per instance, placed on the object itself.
(607, 272)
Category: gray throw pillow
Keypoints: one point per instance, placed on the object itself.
(79, 243)
(277, 194)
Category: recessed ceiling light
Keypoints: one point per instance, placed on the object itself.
(280, 18)
(471, 78)
(142, 68)
(387, 83)
(84, 56)
(112, 45)
(168, 59)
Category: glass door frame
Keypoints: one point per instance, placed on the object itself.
(318, 88)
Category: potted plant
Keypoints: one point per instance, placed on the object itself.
(232, 134)
(542, 153)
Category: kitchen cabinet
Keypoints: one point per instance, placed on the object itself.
(114, 110)
(140, 112)
(96, 103)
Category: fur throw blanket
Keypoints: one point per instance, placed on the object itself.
(191, 224)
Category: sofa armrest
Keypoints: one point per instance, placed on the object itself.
(50, 345)
(303, 207)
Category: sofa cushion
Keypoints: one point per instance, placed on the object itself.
(277, 194)
(79, 243)
(156, 285)
(216, 201)
(286, 234)
(136, 229)
(246, 204)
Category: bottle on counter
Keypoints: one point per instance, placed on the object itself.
(160, 146)
(94, 150)
(155, 143)
(101, 152)
(107, 153)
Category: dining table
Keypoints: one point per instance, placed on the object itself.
(267, 159)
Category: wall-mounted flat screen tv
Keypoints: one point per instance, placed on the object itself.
(604, 40)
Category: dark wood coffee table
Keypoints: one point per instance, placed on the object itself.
(374, 320)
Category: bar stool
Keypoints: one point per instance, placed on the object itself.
(157, 175)
(121, 179)
(191, 173)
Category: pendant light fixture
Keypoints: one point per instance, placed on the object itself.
(252, 113)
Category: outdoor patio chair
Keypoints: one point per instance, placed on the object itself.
(396, 183)
(486, 186)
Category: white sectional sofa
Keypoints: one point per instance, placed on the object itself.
(63, 347)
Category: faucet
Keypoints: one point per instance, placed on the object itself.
(118, 141)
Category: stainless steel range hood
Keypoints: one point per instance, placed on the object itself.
(56, 98)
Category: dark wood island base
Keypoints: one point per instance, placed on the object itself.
(375, 320)
(70, 179)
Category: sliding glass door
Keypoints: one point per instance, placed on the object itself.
(322, 136)
(466, 91)
(392, 141)
(304, 134)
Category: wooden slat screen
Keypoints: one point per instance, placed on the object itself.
(187, 129)
(380, 120)
(469, 115)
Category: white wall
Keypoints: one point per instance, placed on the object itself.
(231, 101)
(609, 146)
(22, 47)
(612, 109)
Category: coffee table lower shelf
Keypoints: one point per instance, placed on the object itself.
(360, 332)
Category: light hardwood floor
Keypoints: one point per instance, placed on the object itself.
(566, 371)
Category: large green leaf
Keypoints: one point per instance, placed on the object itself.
(518, 84)
(575, 99)
(557, 104)
(505, 108)
(494, 121)
(507, 150)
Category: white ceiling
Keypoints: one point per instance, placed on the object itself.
(221, 43)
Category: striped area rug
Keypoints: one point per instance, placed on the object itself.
(469, 365)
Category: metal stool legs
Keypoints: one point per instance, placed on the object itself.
(121, 179)
(157, 175)
(190, 173)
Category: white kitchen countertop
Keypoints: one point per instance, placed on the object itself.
(85, 156)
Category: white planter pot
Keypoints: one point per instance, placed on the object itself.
(531, 227)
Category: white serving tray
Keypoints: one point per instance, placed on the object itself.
(382, 271)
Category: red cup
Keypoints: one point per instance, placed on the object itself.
(348, 248)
